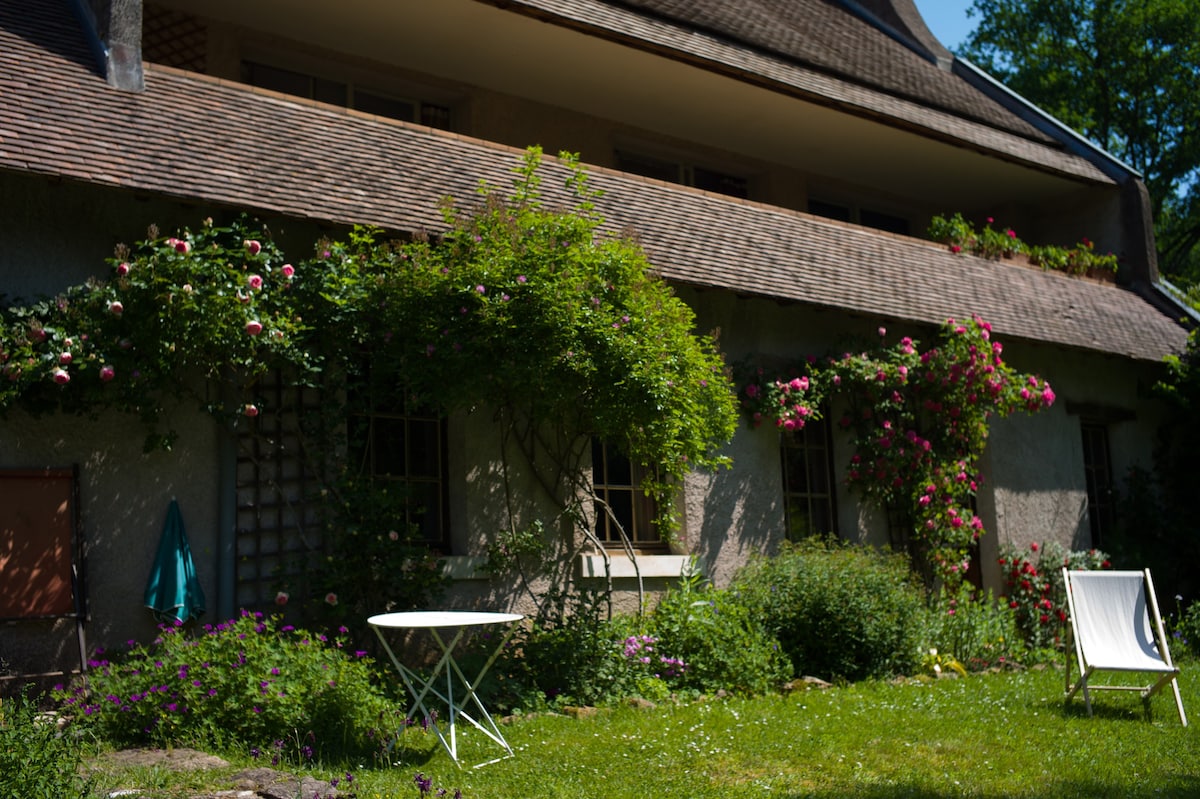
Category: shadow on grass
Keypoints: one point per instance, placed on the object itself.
(1177, 787)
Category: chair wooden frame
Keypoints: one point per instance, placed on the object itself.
(1115, 626)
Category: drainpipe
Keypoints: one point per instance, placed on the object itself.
(114, 32)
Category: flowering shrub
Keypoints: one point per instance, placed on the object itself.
(919, 422)
(960, 236)
(653, 671)
(1035, 590)
(243, 684)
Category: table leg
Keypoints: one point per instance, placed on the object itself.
(419, 689)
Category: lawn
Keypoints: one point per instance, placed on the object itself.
(992, 735)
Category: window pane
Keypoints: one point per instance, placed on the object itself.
(882, 221)
(384, 106)
(795, 471)
(649, 166)
(278, 80)
(618, 469)
(387, 446)
(329, 91)
(709, 180)
(424, 436)
(435, 116)
(829, 210)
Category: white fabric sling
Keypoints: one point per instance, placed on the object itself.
(1116, 626)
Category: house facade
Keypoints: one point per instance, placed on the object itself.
(778, 161)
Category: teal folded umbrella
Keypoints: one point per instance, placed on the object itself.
(173, 591)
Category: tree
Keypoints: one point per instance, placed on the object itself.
(1124, 73)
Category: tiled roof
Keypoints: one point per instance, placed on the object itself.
(197, 138)
(850, 65)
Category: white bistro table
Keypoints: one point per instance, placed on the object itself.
(421, 688)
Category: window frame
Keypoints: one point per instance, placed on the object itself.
(365, 453)
(820, 455)
(640, 528)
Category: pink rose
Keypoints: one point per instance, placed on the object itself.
(288, 270)
(331, 598)
(122, 269)
(252, 246)
(180, 245)
(116, 308)
(255, 281)
(107, 373)
(254, 327)
(61, 377)
(281, 598)
(64, 358)
(250, 410)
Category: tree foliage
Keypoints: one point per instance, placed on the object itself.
(1124, 73)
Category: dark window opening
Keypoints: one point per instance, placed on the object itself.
(664, 169)
(1097, 467)
(878, 220)
(299, 84)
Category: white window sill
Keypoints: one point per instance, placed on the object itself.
(464, 567)
(648, 565)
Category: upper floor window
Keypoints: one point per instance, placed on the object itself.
(866, 217)
(683, 173)
(621, 504)
(346, 94)
(402, 448)
(808, 487)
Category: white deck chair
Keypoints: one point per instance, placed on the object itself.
(1117, 627)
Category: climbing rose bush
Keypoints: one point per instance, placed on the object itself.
(918, 421)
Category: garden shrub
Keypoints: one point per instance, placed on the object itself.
(722, 644)
(571, 655)
(1035, 589)
(243, 684)
(839, 611)
(975, 628)
(37, 761)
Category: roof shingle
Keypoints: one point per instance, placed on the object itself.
(196, 138)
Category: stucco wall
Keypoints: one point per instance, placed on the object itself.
(123, 499)
(56, 235)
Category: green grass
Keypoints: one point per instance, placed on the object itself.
(994, 735)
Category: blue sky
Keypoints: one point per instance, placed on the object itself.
(947, 19)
